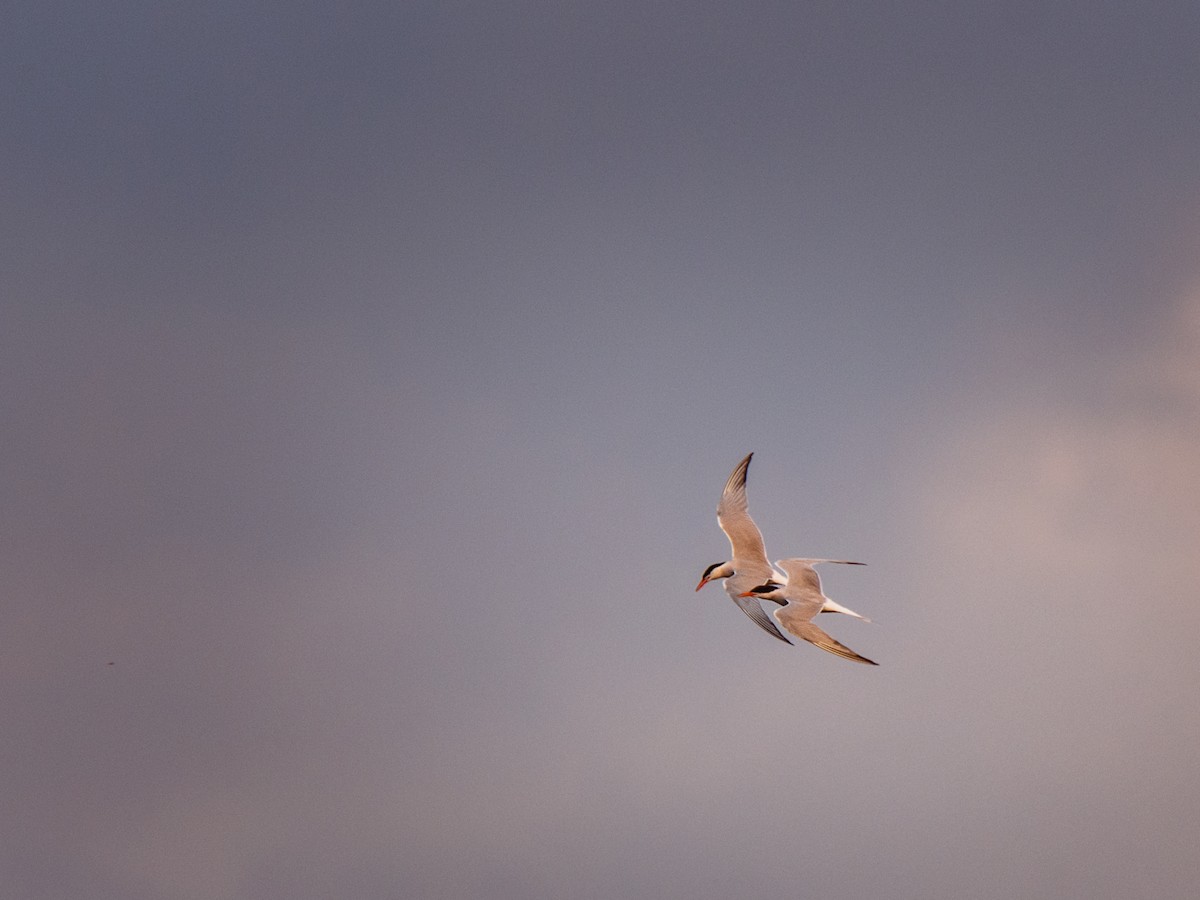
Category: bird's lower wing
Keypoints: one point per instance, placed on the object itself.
(750, 606)
(815, 635)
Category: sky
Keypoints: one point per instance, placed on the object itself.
(370, 373)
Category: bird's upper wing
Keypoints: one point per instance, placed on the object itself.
(803, 584)
(733, 515)
(813, 562)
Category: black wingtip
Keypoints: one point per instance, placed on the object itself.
(737, 478)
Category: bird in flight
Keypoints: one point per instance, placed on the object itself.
(800, 599)
(749, 567)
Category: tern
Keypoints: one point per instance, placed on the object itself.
(799, 602)
(749, 567)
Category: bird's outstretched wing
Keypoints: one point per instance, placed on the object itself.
(751, 607)
(733, 515)
(797, 619)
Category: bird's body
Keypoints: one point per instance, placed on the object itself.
(800, 600)
(749, 566)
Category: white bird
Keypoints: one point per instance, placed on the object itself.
(799, 602)
(749, 566)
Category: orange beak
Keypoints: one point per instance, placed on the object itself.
(703, 582)
(747, 594)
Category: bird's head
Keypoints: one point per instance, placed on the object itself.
(714, 572)
(763, 590)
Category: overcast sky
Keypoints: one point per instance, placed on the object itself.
(369, 376)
